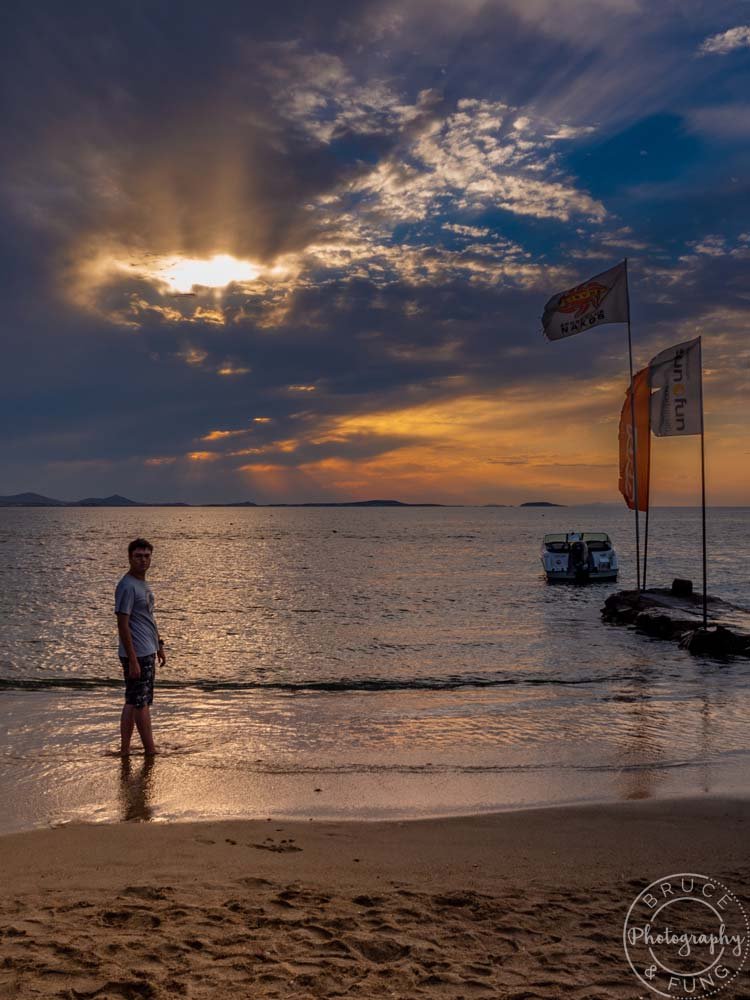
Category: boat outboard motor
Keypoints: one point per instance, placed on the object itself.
(578, 560)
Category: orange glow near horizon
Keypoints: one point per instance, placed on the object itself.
(523, 445)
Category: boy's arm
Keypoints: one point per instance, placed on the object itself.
(123, 629)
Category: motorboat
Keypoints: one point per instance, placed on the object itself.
(579, 556)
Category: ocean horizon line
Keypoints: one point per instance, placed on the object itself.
(117, 501)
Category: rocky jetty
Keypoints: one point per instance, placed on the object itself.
(676, 613)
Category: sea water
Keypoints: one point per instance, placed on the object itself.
(357, 662)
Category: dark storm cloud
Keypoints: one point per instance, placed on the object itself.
(156, 126)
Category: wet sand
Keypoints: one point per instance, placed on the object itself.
(516, 905)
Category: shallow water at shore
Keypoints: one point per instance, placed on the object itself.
(404, 662)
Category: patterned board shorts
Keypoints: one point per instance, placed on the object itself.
(139, 691)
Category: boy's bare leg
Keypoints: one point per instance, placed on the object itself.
(143, 724)
(126, 729)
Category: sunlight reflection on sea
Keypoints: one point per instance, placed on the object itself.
(417, 653)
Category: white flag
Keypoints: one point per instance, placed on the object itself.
(676, 376)
(601, 299)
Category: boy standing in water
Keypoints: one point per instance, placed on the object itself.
(140, 645)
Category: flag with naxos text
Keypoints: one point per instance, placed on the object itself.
(677, 402)
(601, 299)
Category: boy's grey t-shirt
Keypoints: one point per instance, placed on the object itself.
(135, 598)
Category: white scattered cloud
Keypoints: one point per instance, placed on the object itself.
(478, 232)
(710, 246)
(726, 41)
(477, 154)
(480, 155)
(316, 92)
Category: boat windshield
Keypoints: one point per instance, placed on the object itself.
(555, 543)
(597, 541)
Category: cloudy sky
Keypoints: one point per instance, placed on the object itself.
(291, 251)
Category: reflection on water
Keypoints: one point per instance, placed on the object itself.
(136, 790)
(383, 650)
(644, 738)
(300, 596)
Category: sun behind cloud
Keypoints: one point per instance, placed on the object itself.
(126, 285)
(182, 274)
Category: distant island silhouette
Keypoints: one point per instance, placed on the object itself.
(540, 503)
(116, 500)
(38, 500)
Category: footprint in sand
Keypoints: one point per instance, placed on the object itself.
(253, 882)
(315, 933)
(289, 893)
(281, 848)
(381, 950)
(368, 900)
(130, 918)
(281, 904)
(119, 990)
(455, 899)
(146, 891)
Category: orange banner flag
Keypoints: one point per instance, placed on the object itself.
(642, 396)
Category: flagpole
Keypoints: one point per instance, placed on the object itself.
(635, 442)
(648, 490)
(703, 483)
(645, 529)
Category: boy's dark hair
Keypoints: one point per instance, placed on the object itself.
(139, 543)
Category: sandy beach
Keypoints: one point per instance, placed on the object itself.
(526, 904)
